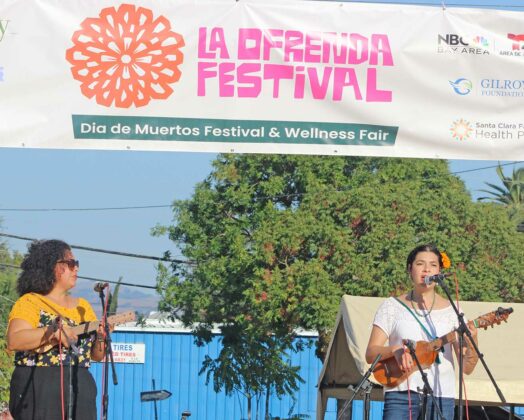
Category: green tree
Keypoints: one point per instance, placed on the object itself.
(511, 195)
(276, 240)
(8, 295)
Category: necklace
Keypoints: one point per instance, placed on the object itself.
(415, 309)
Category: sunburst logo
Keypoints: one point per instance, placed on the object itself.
(126, 57)
(461, 129)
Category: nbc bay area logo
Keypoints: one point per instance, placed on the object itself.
(126, 57)
(461, 44)
(461, 86)
(461, 129)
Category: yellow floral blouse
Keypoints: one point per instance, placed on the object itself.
(40, 312)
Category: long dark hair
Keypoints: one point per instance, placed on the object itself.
(38, 266)
(423, 248)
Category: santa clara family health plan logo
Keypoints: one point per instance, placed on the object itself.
(461, 129)
(126, 56)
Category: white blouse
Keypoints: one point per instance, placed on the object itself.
(399, 324)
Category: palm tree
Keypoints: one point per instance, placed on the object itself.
(510, 195)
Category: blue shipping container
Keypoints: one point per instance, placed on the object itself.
(173, 361)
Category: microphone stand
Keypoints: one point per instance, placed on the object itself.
(73, 352)
(109, 353)
(366, 385)
(461, 330)
(427, 388)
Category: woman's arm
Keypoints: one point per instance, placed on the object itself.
(376, 346)
(470, 356)
(22, 336)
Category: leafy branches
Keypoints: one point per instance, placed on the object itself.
(277, 240)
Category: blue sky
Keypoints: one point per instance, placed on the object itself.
(37, 178)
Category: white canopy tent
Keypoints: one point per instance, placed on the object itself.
(345, 362)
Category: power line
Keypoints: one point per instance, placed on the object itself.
(485, 167)
(89, 278)
(170, 205)
(105, 251)
(92, 208)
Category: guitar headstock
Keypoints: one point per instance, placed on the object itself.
(122, 317)
(491, 318)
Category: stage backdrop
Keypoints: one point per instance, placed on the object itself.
(345, 362)
(252, 76)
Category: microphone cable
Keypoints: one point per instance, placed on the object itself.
(62, 398)
(103, 324)
(463, 382)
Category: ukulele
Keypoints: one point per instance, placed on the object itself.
(387, 371)
(90, 327)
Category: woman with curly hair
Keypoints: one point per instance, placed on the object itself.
(421, 314)
(45, 354)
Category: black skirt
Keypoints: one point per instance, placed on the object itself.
(35, 393)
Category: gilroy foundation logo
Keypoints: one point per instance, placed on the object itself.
(461, 86)
(126, 57)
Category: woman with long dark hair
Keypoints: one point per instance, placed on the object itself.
(421, 314)
(40, 333)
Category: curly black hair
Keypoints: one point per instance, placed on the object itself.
(38, 266)
(423, 248)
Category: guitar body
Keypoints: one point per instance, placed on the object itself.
(388, 373)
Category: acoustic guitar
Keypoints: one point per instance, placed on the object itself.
(388, 372)
(90, 327)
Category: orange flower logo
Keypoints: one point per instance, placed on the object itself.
(126, 57)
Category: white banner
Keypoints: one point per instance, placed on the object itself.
(129, 352)
(262, 76)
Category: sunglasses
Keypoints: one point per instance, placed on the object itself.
(70, 263)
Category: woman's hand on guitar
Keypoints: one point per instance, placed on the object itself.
(473, 331)
(404, 359)
(101, 333)
(66, 335)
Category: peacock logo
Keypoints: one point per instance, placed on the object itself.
(126, 57)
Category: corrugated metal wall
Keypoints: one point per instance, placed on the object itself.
(173, 361)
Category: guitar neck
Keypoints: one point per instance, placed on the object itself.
(86, 328)
(93, 325)
(448, 338)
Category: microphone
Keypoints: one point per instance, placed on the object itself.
(436, 278)
(100, 286)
